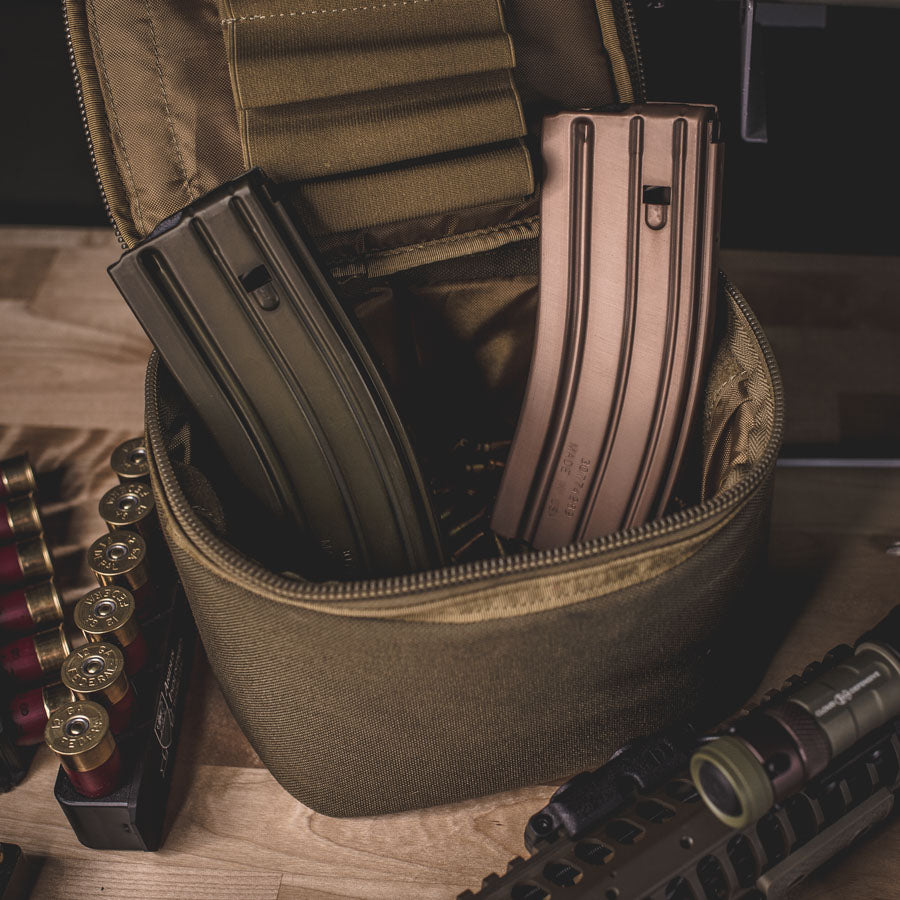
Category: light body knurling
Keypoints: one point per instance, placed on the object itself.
(129, 461)
(775, 750)
(130, 506)
(78, 733)
(119, 558)
(20, 519)
(16, 476)
(855, 697)
(96, 671)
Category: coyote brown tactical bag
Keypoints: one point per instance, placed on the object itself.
(401, 133)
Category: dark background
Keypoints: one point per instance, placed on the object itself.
(46, 177)
(825, 181)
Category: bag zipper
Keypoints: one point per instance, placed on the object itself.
(637, 60)
(670, 526)
(79, 96)
(619, 32)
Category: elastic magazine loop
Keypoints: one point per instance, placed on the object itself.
(378, 112)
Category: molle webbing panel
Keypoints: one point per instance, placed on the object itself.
(379, 111)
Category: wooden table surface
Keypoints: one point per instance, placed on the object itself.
(71, 377)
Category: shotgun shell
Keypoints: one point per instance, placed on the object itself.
(28, 561)
(19, 519)
(129, 461)
(24, 609)
(16, 477)
(120, 558)
(79, 734)
(108, 614)
(36, 657)
(97, 672)
(129, 506)
(30, 710)
(132, 507)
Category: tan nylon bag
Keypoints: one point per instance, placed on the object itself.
(373, 697)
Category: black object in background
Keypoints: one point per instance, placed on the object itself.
(16, 874)
(46, 176)
(14, 760)
(822, 182)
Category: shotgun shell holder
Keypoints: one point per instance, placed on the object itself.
(79, 734)
(131, 817)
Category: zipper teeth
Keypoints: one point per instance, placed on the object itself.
(636, 46)
(79, 96)
(482, 569)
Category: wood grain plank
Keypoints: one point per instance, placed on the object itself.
(825, 369)
(834, 323)
(22, 271)
(839, 501)
(76, 288)
(142, 877)
(239, 818)
(818, 290)
(67, 375)
(62, 237)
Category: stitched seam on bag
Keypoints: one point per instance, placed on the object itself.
(501, 24)
(717, 394)
(116, 126)
(234, 75)
(463, 237)
(322, 12)
(165, 99)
